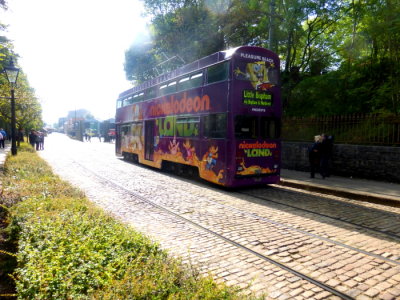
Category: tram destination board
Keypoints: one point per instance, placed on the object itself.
(261, 98)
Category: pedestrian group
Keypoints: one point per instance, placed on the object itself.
(36, 139)
(19, 137)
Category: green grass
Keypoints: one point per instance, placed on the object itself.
(70, 249)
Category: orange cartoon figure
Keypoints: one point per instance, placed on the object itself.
(211, 157)
(252, 170)
(190, 151)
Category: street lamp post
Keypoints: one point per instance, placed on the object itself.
(12, 75)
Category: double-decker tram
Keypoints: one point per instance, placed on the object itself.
(220, 115)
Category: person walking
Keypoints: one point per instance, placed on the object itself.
(314, 155)
(2, 137)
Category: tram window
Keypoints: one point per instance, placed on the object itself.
(119, 103)
(140, 97)
(196, 80)
(129, 100)
(215, 126)
(270, 128)
(151, 93)
(125, 129)
(187, 127)
(171, 88)
(190, 82)
(218, 72)
(166, 126)
(168, 88)
(163, 90)
(246, 127)
(183, 84)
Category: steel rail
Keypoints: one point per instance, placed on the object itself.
(263, 257)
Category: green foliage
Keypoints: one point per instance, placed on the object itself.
(69, 249)
(362, 88)
(27, 107)
(344, 40)
(70, 252)
(181, 32)
(140, 61)
(360, 129)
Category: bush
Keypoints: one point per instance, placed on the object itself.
(69, 249)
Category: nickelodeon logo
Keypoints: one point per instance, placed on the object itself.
(174, 106)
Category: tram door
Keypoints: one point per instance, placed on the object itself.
(118, 140)
(149, 139)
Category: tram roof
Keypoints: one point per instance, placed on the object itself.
(193, 66)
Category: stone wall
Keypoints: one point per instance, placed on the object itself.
(369, 162)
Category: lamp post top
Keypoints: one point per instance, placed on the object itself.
(11, 72)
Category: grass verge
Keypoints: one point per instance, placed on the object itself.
(66, 248)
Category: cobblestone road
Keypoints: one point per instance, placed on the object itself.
(352, 254)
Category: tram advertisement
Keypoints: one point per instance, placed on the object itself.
(256, 158)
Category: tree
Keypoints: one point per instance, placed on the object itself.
(28, 111)
(356, 41)
(140, 62)
(181, 32)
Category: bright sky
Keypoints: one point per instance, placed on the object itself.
(73, 51)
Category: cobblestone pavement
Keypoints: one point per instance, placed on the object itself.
(350, 254)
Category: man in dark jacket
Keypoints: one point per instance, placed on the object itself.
(32, 138)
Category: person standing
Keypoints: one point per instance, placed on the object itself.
(20, 136)
(314, 155)
(41, 141)
(3, 137)
(32, 138)
(37, 140)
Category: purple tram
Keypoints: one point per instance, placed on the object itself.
(220, 114)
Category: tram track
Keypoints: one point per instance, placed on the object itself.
(384, 214)
(340, 219)
(245, 248)
(396, 259)
(305, 232)
(303, 276)
(352, 273)
(316, 236)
